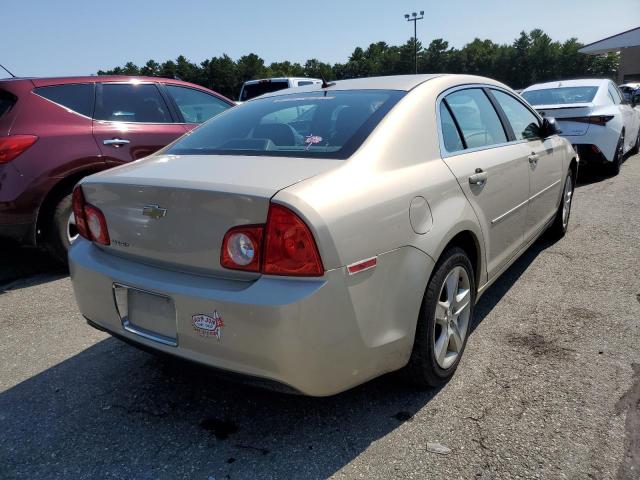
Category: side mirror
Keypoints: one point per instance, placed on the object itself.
(549, 127)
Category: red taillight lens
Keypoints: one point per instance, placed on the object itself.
(242, 247)
(595, 120)
(77, 202)
(284, 246)
(289, 245)
(90, 221)
(97, 225)
(14, 145)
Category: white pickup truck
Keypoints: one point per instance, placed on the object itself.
(255, 88)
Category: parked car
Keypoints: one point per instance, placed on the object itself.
(592, 115)
(628, 89)
(255, 88)
(54, 131)
(322, 253)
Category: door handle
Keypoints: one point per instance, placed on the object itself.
(478, 178)
(116, 142)
(533, 159)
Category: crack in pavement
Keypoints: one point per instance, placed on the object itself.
(630, 401)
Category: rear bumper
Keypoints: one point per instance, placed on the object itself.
(604, 139)
(18, 206)
(317, 336)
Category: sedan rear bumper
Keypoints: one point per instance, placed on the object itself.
(318, 336)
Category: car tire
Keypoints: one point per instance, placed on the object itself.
(60, 232)
(614, 167)
(560, 223)
(427, 366)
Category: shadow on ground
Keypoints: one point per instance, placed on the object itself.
(23, 266)
(114, 411)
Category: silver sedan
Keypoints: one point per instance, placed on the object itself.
(321, 236)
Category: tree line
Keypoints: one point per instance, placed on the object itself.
(533, 57)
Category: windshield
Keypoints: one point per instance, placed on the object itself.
(318, 124)
(253, 90)
(562, 95)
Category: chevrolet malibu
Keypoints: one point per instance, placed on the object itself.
(321, 236)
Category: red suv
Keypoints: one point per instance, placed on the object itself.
(54, 131)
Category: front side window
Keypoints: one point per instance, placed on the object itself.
(525, 124)
(317, 124)
(476, 117)
(132, 102)
(560, 95)
(77, 97)
(196, 106)
(615, 95)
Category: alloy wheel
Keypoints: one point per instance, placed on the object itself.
(452, 317)
(72, 230)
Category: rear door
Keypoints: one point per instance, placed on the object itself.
(492, 172)
(195, 106)
(132, 120)
(544, 162)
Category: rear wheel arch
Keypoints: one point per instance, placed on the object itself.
(470, 243)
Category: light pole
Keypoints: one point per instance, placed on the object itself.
(414, 18)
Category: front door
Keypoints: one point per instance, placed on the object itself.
(544, 164)
(492, 173)
(131, 121)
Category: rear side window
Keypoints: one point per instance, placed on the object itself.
(7, 101)
(525, 124)
(450, 135)
(476, 117)
(77, 97)
(131, 102)
(254, 90)
(196, 106)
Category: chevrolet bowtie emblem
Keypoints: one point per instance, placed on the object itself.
(154, 211)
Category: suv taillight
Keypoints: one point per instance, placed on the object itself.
(90, 221)
(14, 145)
(284, 246)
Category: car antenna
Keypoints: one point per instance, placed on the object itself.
(7, 71)
(324, 82)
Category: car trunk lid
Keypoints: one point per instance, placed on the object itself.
(564, 113)
(173, 211)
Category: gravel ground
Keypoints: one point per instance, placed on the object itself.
(549, 386)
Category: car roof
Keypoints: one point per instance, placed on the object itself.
(280, 79)
(392, 82)
(581, 82)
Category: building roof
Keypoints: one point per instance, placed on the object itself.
(630, 38)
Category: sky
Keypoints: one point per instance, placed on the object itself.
(79, 37)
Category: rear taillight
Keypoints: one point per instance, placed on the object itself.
(90, 221)
(284, 246)
(77, 202)
(14, 145)
(289, 245)
(242, 247)
(595, 120)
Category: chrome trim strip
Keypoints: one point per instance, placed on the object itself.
(544, 190)
(509, 212)
(506, 214)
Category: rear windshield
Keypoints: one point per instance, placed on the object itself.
(254, 90)
(561, 95)
(318, 124)
(6, 102)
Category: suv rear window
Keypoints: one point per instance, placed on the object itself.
(6, 102)
(330, 124)
(254, 90)
(77, 97)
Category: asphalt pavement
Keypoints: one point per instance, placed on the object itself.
(549, 386)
